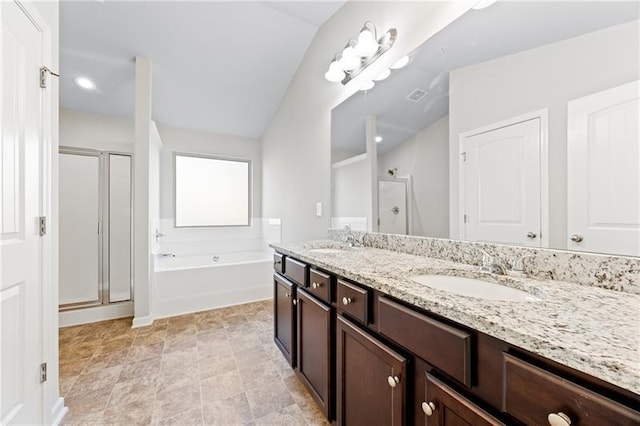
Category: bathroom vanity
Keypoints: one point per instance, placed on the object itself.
(376, 345)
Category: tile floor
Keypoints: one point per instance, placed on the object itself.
(215, 367)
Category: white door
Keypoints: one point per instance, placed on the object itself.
(502, 184)
(392, 203)
(604, 172)
(21, 247)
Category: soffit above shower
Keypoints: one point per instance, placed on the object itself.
(220, 67)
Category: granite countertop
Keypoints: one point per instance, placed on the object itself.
(593, 330)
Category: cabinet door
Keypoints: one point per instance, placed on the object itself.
(446, 407)
(371, 379)
(314, 349)
(284, 317)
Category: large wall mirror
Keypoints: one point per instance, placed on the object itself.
(516, 124)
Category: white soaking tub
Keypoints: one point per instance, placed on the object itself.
(192, 283)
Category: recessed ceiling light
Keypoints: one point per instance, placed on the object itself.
(378, 139)
(483, 4)
(400, 63)
(84, 83)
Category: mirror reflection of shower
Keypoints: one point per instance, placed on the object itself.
(393, 204)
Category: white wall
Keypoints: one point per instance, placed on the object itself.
(426, 158)
(350, 189)
(190, 141)
(547, 76)
(83, 130)
(297, 147)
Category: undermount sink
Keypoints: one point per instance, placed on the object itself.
(326, 250)
(473, 287)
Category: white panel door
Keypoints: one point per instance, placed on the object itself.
(604, 172)
(21, 247)
(502, 185)
(80, 243)
(392, 203)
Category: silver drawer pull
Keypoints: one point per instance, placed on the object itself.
(287, 295)
(559, 419)
(316, 285)
(346, 301)
(576, 238)
(428, 408)
(393, 381)
(531, 235)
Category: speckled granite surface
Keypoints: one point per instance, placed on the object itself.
(592, 329)
(599, 270)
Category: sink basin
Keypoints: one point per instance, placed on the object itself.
(472, 287)
(326, 250)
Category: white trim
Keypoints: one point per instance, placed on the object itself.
(142, 321)
(58, 412)
(350, 160)
(95, 314)
(543, 116)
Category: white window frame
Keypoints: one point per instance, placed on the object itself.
(213, 157)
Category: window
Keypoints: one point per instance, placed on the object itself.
(211, 191)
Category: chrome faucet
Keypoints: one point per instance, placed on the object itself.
(518, 265)
(493, 265)
(350, 238)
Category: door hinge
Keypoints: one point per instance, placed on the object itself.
(44, 76)
(43, 372)
(43, 225)
(464, 156)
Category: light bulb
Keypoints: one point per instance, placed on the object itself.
(378, 139)
(367, 44)
(400, 63)
(335, 73)
(84, 83)
(350, 61)
(483, 4)
(368, 85)
(384, 74)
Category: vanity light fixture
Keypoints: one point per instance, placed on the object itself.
(359, 54)
(400, 63)
(384, 74)
(84, 83)
(482, 4)
(368, 85)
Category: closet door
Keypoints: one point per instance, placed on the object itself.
(119, 206)
(80, 206)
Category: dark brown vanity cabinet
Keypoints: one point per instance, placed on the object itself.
(284, 317)
(371, 386)
(315, 349)
(443, 406)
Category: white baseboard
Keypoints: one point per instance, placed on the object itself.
(142, 321)
(95, 314)
(58, 412)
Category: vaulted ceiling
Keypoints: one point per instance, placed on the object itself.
(217, 66)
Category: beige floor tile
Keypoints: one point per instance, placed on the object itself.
(212, 366)
(150, 337)
(89, 402)
(250, 356)
(134, 413)
(113, 345)
(286, 416)
(192, 417)
(243, 342)
(256, 375)
(211, 348)
(179, 342)
(69, 367)
(142, 352)
(66, 383)
(179, 359)
(147, 369)
(173, 401)
(93, 419)
(132, 391)
(221, 386)
(101, 361)
(268, 398)
(234, 410)
(178, 377)
(96, 379)
(78, 351)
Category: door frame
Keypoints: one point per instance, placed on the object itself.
(543, 116)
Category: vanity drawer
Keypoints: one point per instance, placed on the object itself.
(441, 345)
(320, 285)
(533, 395)
(296, 271)
(278, 262)
(353, 300)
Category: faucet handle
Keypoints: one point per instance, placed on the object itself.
(518, 263)
(487, 259)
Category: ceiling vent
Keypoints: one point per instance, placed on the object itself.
(416, 95)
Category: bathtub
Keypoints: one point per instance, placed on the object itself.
(192, 283)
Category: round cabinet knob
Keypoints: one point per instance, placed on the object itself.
(287, 295)
(346, 300)
(576, 238)
(295, 302)
(393, 381)
(531, 235)
(428, 408)
(559, 419)
(316, 285)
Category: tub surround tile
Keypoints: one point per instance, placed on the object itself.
(586, 327)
